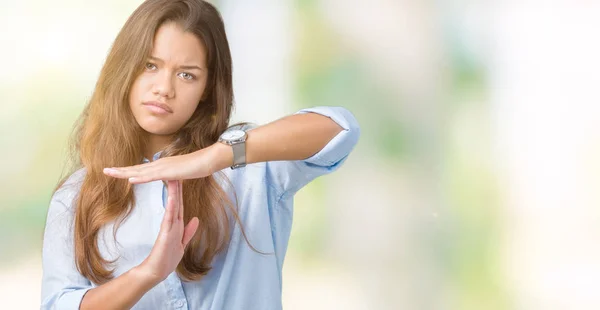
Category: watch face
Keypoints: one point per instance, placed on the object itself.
(232, 135)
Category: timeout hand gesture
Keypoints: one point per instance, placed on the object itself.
(172, 239)
(194, 165)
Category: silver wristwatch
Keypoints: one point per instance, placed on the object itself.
(237, 139)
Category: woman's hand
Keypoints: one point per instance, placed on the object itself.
(172, 238)
(195, 165)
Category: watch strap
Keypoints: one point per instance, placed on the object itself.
(239, 155)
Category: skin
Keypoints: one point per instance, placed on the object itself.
(174, 75)
(294, 137)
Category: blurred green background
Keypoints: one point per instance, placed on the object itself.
(473, 185)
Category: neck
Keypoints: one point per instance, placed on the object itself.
(155, 144)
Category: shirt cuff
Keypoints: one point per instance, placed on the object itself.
(342, 144)
(72, 300)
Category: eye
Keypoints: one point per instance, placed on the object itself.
(150, 66)
(186, 76)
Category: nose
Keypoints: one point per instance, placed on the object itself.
(163, 85)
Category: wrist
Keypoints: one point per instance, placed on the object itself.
(145, 277)
(222, 155)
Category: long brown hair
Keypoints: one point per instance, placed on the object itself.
(107, 135)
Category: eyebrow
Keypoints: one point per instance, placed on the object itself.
(186, 67)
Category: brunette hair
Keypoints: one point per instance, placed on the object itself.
(107, 135)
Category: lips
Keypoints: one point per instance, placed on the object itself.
(158, 105)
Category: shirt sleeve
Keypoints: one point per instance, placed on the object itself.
(63, 286)
(290, 176)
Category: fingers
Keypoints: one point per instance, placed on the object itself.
(145, 179)
(137, 174)
(180, 188)
(180, 167)
(174, 213)
(190, 230)
(127, 172)
(173, 190)
(167, 222)
(131, 170)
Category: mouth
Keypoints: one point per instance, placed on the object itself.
(157, 107)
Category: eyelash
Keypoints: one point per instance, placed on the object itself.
(153, 67)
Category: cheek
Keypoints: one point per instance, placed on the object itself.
(136, 93)
(185, 103)
(189, 98)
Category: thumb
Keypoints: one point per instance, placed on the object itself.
(189, 231)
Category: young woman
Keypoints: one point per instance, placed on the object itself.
(213, 237)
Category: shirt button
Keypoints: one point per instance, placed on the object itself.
(179, 303)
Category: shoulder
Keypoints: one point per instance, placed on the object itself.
(67, 192)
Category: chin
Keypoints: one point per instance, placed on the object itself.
(156, 126)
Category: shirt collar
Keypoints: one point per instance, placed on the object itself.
(155, 157)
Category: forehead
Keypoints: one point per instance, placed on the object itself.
(173, 45)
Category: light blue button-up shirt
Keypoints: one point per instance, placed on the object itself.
(240, 278)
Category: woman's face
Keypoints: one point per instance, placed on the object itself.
(165, 95)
